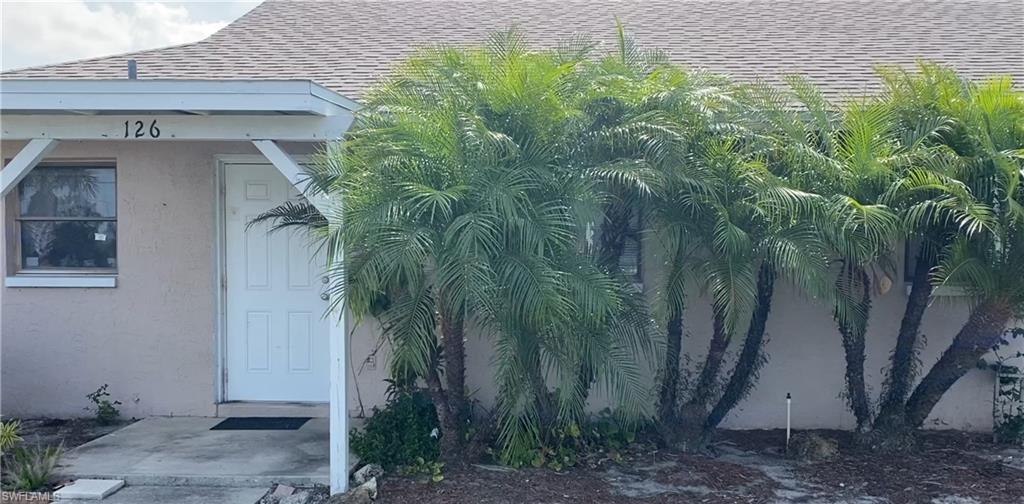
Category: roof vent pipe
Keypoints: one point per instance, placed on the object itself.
(133, 70)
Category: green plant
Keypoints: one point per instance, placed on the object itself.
(432, 468)
(9, 435)
(33, 468)
(1011, 430)
(402, 434)
(106, 410)
(599, 438)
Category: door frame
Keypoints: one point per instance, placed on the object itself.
(220, 392)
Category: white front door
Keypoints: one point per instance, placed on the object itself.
(277, 335)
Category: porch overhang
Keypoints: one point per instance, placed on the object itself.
(46, 112)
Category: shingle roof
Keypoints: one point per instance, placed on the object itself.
(347, 45)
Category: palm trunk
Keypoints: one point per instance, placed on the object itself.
(853, 334)
(750, 357)
(454, 362)
(901, 372)
(450, 399)
(667, 394)
(982, 331)
(689, 432)
(712, 363)
(451, 431)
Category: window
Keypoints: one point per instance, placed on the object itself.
(630, 260)
(66, 219)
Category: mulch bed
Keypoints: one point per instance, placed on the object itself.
(945, 466)
(71, 432)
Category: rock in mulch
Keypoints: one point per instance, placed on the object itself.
(362, 494)
(283, 494)
(812, 447)
(366, 473)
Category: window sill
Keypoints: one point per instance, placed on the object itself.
(65, 281)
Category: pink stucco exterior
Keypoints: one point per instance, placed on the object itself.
(153, 338)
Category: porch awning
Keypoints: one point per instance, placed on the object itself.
(292, 110)
(45, 112)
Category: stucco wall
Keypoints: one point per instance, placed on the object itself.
(153, 338)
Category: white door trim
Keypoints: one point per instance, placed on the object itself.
(220, 392)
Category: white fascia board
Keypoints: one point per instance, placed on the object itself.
(293, 96)
(305, 128)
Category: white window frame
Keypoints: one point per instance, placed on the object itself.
(56, 277)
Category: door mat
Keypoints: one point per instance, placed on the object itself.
(261, 423)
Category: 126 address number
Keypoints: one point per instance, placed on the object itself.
(140, 129)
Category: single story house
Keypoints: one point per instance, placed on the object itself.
(128, 182)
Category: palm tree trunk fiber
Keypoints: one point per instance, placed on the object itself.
(901, 372)
(854, 334)
(982, 331)
(749, 360)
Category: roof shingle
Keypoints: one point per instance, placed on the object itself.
(348, 45)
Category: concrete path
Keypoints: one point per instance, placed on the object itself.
(179, 495)
(184, 451)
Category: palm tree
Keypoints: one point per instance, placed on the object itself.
(986, 155)
(463, 206)
(889, 172)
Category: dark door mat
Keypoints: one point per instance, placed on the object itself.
(261, 423)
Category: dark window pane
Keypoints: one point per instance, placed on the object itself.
(51, 191)
(68, 244)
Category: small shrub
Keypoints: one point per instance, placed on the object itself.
(602, 438)
(105, 409)
(1011, 431)
(33, 469)
(9, 435)
(403, 434)
(431, 468)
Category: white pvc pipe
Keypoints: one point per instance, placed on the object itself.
(789, 407)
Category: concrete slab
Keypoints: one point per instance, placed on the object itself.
(180, 495)
(184, 451)
(89, 489)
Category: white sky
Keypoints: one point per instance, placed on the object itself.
(36, 32)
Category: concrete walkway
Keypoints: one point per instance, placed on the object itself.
(183, 451)
(178, 495)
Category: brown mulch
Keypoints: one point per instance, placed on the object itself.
(71, 432)
(943, 466)
(946, 465)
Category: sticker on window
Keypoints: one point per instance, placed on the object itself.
(100, 237)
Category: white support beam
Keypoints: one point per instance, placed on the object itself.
(338, 344)
(145, 127)
(22, 163)
(291, 171)
(338, 349)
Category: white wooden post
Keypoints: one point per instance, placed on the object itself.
(338, 333)
(27, 158)
(339, 394)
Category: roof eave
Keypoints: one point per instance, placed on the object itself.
(205, 97)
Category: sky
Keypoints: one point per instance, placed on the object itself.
(36, 32)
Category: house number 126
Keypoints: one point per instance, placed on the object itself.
(141, 130)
